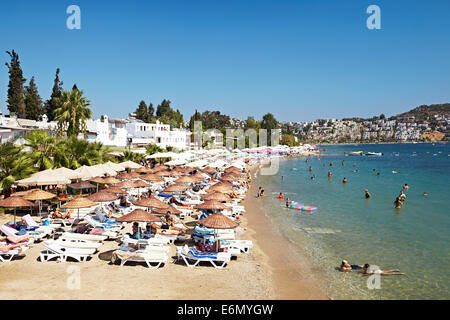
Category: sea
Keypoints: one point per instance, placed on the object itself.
(414, 239)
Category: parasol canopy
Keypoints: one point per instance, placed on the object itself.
(177, 187)
(141, 184)
(221, 188)
(103, 196)
(39, 194)
(15, 202)
(111, 180)
(116, 190)
(218, 221)
(125, 185)
(211, 205)
(97, 180)
(139, 215)
(171, 209)
(81, 185)
(79, 203)
(131, 175)
(218, 196)
(151, 177)
(130, 165)
(144, 170)
(151, 202)
(186, 179)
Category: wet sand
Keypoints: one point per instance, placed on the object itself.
(291, 277)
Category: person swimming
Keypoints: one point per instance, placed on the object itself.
(425, 194)
(343, 163)
(367, 194)
(329, 174)
(369, 270)
(402, 196)
(406, 187)
(310, 169)
(397, 203)
(344, 180)
(280, 196)
(288, 202)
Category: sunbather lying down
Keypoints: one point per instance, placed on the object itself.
(12, 246)
(60, 215)
(161, 228)
(368, 269)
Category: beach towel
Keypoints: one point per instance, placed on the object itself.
(123, 255)
(199, 254)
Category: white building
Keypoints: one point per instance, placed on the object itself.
(110, 132)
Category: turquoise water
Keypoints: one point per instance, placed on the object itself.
(414, 239)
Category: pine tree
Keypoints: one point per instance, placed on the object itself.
(150, 113)
(141, 111)
(33, 102)
(15, 101)
(54, 102)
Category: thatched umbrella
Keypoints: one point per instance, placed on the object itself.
(177, 187)
(144, 170)
(79, 203)
(171, 209)
(211, 205)
(229, 177)
(221, 188)
(15, 202)
(209, 170)
(151, 202)
(97, 180)
(164, 173)
(126, 185)
(160, 167)
(103, 196)
(151, 177)
(218, 221)
(223, 183)
(131, 175)
(218, 196)
(111, 180)
(186, 179)
(39, 195)
(199, 176)
(81, 185)
(140, 184)
(116, 190)
(233, 168)
(139, 215)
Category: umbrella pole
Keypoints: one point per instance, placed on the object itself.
(14, 215)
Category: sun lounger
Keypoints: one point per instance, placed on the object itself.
(72, 243)
(243, 245)
(96, 224)
(217, 259)
(55, 250)
(126, 239)
(140, 256)
(11, 234)
(83, 237)
(7, 256)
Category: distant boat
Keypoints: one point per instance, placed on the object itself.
(373, 154)
(356, 153)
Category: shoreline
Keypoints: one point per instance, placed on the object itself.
(290, 275)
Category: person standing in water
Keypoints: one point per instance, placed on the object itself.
(343, 163)
(345, 180)
(406, 187)
(367, 194)
(329, 174)
(310, 169)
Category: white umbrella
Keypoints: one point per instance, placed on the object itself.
(197, 164)
(176, 162)
(43, 178)
(130, 165)
(86, 172)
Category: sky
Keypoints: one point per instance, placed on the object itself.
(300, 60)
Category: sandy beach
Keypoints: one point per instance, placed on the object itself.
(266, 273)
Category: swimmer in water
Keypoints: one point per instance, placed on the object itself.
(310, 168)
(280, 196)
(406, 187)
(345, 180)
(331, 163)
(282, 177)
(397, 203)
(329, 174)
(378, 173)
(343, 163)
(425, 194)
(402, 196)
(368, 270)
(367, 194)
(288, 202)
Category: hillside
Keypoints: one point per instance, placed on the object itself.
(426, 112)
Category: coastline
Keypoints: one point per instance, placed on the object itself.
(290, 274)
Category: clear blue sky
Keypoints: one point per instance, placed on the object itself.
(300, 60)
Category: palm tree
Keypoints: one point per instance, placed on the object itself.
(73, 113)
(80, 152)
(131, 156)
(14, 165)
(43, 148)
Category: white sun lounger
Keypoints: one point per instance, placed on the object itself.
(55, 250)
(96, 224)
(152, 241)
(71, 243)
(10, 232)
(11, 254)
(217, 259)
(83, 237)
(148, 257)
